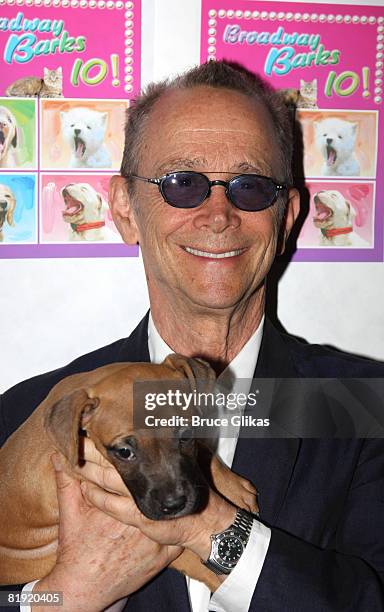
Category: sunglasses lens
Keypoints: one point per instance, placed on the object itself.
(185, 189)
(252, 192)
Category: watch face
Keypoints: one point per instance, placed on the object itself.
(230, 550)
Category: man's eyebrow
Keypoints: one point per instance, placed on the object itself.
(252, 168)
(178, 163)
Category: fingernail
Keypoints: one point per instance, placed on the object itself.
(57, 463)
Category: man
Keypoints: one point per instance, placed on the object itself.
(209, 236)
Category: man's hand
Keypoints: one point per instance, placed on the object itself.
(100, 559)
(106, 490)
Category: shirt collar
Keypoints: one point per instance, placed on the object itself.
(242, 366)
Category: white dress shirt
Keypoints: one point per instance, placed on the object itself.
(235, 593)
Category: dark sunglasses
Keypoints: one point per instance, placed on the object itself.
(188, 189)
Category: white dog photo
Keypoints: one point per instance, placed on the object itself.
(85, 211)
(7, 207)
(334, 218)
(84, 130)
(8, 139)
(336, 139)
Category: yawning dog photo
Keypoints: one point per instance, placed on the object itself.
(85, 211)
(339, 143)
(334, 217)
(168, 478)
(84, 134)
(84, 131)
(7, 207)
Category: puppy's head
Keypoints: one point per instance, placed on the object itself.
(82, 204)
(7, 205)
(84, 130)
(8, 131)
(336, 139)
(332, 210)
(161, 472)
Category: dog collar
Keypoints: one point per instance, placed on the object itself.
(87, 226)
(329, 233)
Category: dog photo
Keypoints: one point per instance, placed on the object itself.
(82, 134)
(339, 143)
(17, 134)
(17, 209)
(74, 209)
(341, 214)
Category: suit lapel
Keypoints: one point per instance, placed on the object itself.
(269, 461)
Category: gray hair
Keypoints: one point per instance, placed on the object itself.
(217, 74)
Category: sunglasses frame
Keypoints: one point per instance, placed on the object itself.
(160, 180)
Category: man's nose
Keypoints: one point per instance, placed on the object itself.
(217, 213)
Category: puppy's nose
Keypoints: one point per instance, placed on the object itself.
(329, 140)
(77, 131)
(172, 504)
(3, 205)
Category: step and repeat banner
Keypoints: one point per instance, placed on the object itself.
(70, 67)
(68, 71)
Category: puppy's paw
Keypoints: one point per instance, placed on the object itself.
(247, 498)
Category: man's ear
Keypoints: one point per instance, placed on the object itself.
(291, 213)
(121, 209)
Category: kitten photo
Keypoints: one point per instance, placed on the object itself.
(51, 86)
(305, 97)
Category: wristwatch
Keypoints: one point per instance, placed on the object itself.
(228, 545)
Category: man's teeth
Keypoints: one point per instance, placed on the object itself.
(213, 255)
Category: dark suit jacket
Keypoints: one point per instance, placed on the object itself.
(322, 498)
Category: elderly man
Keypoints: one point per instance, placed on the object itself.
(206, 191)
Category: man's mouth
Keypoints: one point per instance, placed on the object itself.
(331, 155)
(211, 255)
(80, 147)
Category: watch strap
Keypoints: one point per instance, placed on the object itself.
(242, 525)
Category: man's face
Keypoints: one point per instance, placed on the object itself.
(207, 130)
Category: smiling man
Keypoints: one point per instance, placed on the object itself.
(206, 190)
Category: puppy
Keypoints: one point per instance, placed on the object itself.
(334, 217)
(84, 130)
(166, 474)
(8, 139)
(85, 212)
(336, 139)
(7, 207)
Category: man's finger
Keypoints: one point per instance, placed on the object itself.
(106, 477)
(118, 507)
(68, 490)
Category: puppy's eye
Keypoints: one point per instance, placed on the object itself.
(186, 435)
(72, 125)
(341, 138)
(325, 134)
(89, 127)
(125, 453)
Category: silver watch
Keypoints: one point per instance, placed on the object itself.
(228, 546)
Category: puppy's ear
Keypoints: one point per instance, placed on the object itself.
(63, 420)
(351, 211)
(14, 139)
(103, 207)
(10, 220)
(122, 210)
(198, 371)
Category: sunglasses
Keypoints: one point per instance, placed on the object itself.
(188, 189)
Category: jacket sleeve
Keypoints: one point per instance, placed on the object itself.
(298, 576)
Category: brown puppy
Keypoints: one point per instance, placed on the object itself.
(101, 403)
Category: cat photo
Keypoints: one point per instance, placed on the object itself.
(305, 97)
(50, 86)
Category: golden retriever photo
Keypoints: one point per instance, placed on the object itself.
(7, 207)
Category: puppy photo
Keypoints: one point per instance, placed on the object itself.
(84, 130)
(336, 140)
(7, 207)
(168, 477)
(85, 211)
(334, 217)
(8, 139)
